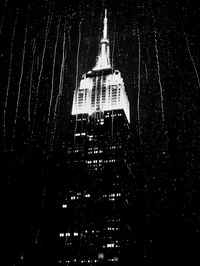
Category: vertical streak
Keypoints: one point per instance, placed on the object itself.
(69, 29)
(61, 78)
(20, 81)
(113, 48)
(40, 73)
(192, 59)
(61, 81)
(52, 80)
(158, 67)
(2, 18)
(139, 83)
(31, 81)
(159, 78)
(77, 70)
(77, 57)
(146, 72)
(69, 39)
(37, 235)
(9, 75)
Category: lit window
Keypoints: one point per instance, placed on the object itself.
(110, 245)
(64, 206)
(61, 234)
(112, 199)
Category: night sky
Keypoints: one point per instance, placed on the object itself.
(46, 47)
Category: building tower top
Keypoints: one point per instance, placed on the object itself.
(101, 89)
(103, 61)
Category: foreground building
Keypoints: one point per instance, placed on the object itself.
(95, 225)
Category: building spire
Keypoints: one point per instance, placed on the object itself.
(105, 24)
(103, 61)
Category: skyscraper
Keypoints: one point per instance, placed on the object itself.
(95, 223)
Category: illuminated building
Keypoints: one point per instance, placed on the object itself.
(101, 89)
(95, 224)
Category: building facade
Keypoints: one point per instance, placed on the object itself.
(95, 225)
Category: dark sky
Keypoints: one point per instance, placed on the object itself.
(46, 46)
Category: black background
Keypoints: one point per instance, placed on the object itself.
(167, 141)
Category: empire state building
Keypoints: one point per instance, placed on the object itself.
(95, 221)
(101, 89)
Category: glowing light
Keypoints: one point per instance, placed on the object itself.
(104, 92)
(101, 256)
(112, 96)
(103, 61)
(110, 245)
(79, 134)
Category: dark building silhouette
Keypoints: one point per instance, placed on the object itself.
(95, 221)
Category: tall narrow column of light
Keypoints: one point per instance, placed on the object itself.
(103, 61)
